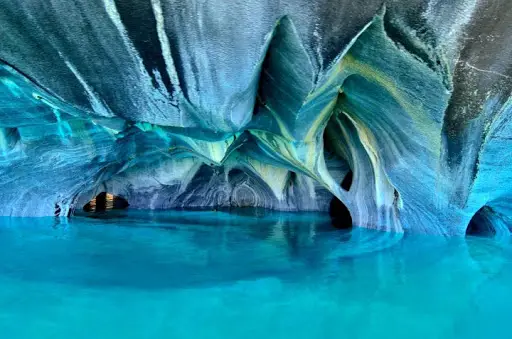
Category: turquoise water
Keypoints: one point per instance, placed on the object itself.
(253, 275)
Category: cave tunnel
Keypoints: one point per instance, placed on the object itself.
(481, 224)
(105, 202)
(340, 215)
(347, 181)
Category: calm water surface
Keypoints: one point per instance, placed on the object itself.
(245, 275)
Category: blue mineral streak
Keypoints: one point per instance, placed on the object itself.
(173, 104)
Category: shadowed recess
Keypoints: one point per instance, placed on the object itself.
(480, 224)
(340, 215)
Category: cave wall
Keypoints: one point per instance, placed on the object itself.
(173, 104)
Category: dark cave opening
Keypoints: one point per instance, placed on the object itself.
(481, 224)
(235, 173)
(106, 202)
(347, 181)
(340, 215)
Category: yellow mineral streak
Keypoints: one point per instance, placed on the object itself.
(383, 187)
(274, 177)
(312, 163)
(319, 122)
(418, 115)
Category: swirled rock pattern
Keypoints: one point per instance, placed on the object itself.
(273, 104)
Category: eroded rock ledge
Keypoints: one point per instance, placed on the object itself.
(260, 104)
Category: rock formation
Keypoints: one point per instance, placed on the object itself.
(273, 104)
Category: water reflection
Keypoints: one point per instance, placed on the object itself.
(218, 269)
(176, 249)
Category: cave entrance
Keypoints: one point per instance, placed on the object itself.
(106, 202)
(481, 224)
(340, 215)
(347, 181)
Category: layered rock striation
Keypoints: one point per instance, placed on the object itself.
(399, 110)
